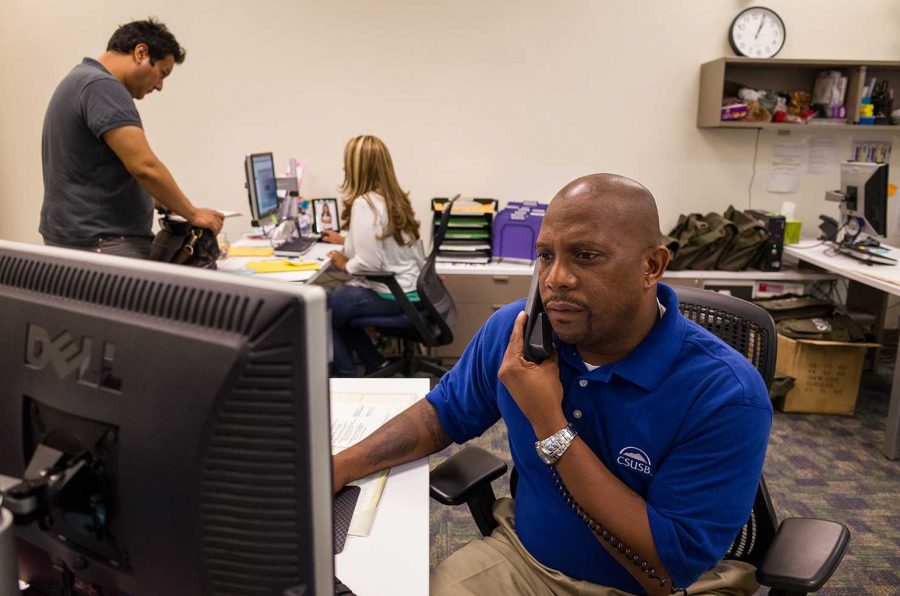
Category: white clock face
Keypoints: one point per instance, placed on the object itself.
(757, 33)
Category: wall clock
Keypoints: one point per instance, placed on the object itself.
(757, 32)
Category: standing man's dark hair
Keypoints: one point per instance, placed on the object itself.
(101, 178)
(160, 41)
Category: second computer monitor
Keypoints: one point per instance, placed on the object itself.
(865, 188)
(261, 185)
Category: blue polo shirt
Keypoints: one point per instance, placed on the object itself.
(683, 420)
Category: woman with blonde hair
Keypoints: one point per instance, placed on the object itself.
(382, 235)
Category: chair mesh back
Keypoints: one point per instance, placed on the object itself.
(744, 326)
(434, 295)
(437, 300)
(750, 330)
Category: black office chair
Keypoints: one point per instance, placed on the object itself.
(794, 558)
(427, 323)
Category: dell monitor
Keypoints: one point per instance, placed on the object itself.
(171, 425)
(864, 191)
(262, 186)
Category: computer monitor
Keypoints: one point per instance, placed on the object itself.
(864, 187)
(183, 416)
(262, 186)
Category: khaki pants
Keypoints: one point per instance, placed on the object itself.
(498, 565)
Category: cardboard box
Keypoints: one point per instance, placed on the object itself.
(827, 374)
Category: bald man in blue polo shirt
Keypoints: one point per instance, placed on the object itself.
(655, 428)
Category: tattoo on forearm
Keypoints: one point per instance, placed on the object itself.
(397, 438)
(436, 432)
(418, 430)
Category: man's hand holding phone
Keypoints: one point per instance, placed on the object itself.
(535, 387)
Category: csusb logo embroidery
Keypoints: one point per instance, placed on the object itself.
(636, 459)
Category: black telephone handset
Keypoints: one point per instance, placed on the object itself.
(538, 338)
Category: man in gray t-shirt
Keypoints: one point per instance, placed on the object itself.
(100, 175)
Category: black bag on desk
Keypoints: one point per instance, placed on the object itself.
(750, 241)
(701, 241)
(718, 241)
(681, 240)
(183, 244)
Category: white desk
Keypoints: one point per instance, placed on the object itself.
(881, 277)
(394, 559)
(318, 252)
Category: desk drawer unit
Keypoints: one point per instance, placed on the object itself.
(477, 297)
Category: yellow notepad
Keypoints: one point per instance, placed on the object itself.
(282, 266)
(250, 251)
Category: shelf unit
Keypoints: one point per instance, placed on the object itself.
(469, 236)
(725, 75)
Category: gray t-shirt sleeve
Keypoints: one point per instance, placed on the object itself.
(105, 104)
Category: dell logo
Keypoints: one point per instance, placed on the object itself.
(89, 359)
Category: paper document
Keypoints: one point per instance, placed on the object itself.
(823, 155)
(787, 168)
(354, 416)
(279, 266)
(227, 214)
(251, 251)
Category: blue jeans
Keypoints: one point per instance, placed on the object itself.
(351, 302)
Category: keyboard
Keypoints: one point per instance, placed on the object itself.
(867, 254)
(295, 247)
(340, 589)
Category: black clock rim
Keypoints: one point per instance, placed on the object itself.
(734, 47)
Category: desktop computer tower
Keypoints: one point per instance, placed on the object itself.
(770, 259)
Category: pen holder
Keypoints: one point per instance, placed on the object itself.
(882, 111)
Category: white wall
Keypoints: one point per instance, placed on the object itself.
(486, 98)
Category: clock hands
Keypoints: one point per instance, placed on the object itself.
(762, 22)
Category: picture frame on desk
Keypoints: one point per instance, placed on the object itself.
(325, 215)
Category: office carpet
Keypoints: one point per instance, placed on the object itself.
(817, 466)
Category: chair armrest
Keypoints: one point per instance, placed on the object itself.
(453, 481)
(803, 554)
(383, 277)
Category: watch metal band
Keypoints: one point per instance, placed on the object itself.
(553, 447)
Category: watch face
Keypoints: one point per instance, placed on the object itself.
(757, 32)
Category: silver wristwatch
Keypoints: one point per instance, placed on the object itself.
(553, 447)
